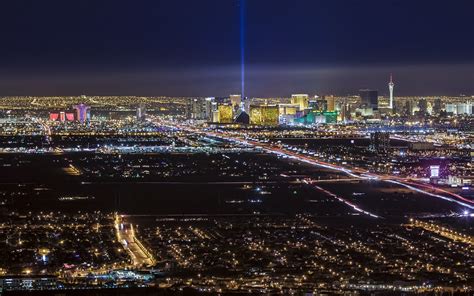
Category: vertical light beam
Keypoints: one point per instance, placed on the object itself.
(242, 47)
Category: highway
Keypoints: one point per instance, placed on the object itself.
(353, 172)
(125, 233)
(348, 203)
(362, 174)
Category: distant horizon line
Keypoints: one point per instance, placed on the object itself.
(227, 96)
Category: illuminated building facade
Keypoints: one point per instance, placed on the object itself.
(264, 114)
(319, 104)
(288, 109)
(317, 117)
(53, 116)
(226, 114)
(434, 171)
(302, 100)
(141, 112)
(82, 112)
(330, 103)
(196, 109)
(391, 85)
(345, 112)
(210, 106)
(61, 116)
(70, 116)
(215, 116)
(235, 101)
(203, 109)
(460, 108)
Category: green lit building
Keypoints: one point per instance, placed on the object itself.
(318, 117)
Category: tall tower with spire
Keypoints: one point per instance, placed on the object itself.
(391, 85)
(390, 88)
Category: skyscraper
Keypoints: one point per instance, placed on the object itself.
(226, 113)
(390, 88)
(437, 106)
(196, 109)
(320, 104)
(209, 107)
(331, 103)
(236, 101)
(202, 108)
(369, 98)
(82, 112)
(141, 112)
(409, 107)
(345, 111)
(423, 105)
(62, 116)
(300, 99)
(264, 114)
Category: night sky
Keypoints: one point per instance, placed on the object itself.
(192, 47)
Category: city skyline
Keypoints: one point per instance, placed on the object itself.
(309, 194)
(236, 147)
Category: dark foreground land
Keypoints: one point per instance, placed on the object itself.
(240, 221)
